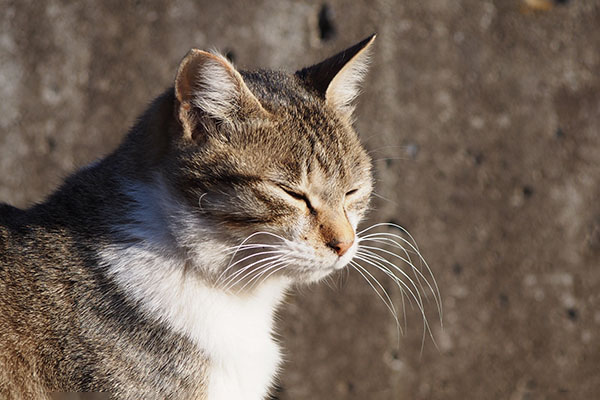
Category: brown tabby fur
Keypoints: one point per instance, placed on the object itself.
(66, 325)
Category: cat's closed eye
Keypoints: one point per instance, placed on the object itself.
(298, 196)
(351, 192)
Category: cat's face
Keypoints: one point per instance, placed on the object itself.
(274, 165)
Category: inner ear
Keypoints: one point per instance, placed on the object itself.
(208, 86)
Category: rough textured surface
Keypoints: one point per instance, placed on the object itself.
(484, 122)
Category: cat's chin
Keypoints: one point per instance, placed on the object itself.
(316, 275)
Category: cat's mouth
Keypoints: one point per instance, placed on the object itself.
(345, 259)
(266, 255)
(320, 270)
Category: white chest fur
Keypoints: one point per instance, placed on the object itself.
(244, 357)
(234, 331)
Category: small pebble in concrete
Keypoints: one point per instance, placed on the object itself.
(412, 149)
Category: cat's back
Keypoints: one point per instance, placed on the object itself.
(16, 244)
(25, 241)
(17, 345)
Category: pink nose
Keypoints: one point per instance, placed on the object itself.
(340, 247)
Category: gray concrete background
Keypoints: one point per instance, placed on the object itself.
(483, 118)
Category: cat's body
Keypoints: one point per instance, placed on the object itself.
(155, 273)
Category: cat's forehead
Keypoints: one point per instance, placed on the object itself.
(306, 141)
(296, 110)
(277, 90)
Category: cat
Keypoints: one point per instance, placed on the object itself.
(155, 272)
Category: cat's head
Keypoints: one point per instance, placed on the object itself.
(270, 161)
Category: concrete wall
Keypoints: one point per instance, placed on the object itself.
(483, 118)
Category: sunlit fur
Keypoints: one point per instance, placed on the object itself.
(162, 265)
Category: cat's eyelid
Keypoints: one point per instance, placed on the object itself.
(351, 192)
(288, 190)
(296, 194)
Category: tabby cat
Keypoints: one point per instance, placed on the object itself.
(155, 272)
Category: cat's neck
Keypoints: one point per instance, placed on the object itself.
(156, 263)
(161, 232)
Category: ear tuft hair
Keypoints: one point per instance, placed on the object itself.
(208, 86)
(217, 88)
(337, 79)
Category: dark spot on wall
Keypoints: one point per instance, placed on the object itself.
(503, 298)
(51, 144)
(327, 29)
(457, 269)
(476, 156)
(350, 387)
(230, 54)
(573, 314)
(561, 1)
(527, 191)
(593, 234)
(559, 134)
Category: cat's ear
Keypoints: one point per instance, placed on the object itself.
(209, 86)
(337, 79)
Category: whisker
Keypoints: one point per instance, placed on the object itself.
(232, 250)
(416, 270)
(243, 246)
(412, 244)
(249, 266)
(426, 327)
(367, 250)
(386, 240)
(399, 282)
(231, 265)
(374, 256)
(416, 296)
(377, 257)
(414, 247)
(390, 305)
(283, 265)
(383, 197)
(383, 236)
(249, 272)
(281, 238)
(263, 271)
